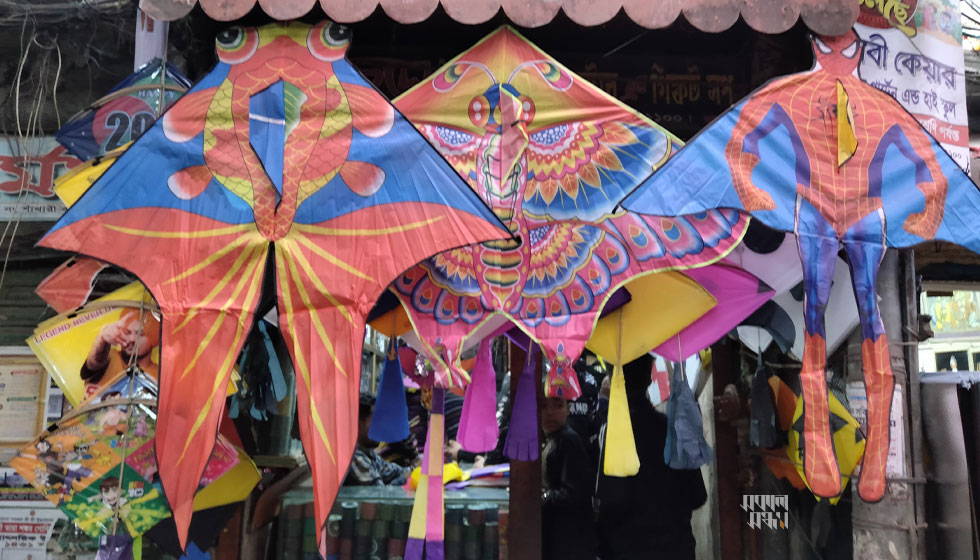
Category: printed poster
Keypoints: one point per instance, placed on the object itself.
(913, 51)
(24, 532)
(857, 400)
(22, 394)
(87, 350)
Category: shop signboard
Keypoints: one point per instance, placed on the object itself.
(913, 51)
(28, 169)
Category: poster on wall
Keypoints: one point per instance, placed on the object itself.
(857, 400)
(24, 532)
(22, 399)
(27, 173)
(913, 51)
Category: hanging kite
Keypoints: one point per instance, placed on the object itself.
(551, 154)
(283, 158)
(837, 162)
(124, 113)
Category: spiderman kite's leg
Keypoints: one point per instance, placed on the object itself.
(818, 246)
(865, 247)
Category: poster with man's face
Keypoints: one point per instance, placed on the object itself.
(90, 349)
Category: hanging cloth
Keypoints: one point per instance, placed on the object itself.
(425, 530)
(390, 422)
(764, 431)
(477, 430)
(621, 458)
(522, 436)
(686, 447)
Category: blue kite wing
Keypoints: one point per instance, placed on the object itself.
(901, 196)
(698, 178)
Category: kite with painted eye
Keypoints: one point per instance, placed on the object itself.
(552, 155)
(281, 159)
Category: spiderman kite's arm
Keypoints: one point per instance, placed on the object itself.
(757, 120)
(915, 146)
(930, 179)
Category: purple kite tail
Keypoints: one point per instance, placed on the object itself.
(425, 531)
(522, 437)
(478, 422)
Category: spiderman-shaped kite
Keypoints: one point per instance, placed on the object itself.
(838, 162)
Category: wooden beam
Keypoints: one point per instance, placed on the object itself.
(524, 527)
(725, 362)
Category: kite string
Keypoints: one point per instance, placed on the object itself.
(33, 127)
(131, 371)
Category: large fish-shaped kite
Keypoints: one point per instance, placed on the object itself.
(283, 153)
(837, 162)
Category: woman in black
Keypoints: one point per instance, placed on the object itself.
(648, 515)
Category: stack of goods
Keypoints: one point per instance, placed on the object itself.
(373, 530)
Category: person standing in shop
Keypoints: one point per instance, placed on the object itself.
(648, 515)
(567, 479)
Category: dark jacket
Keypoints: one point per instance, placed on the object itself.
(567, 528)
(648, 515)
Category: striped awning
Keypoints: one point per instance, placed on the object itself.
(829, 17)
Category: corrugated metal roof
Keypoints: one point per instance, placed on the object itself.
(829, 17)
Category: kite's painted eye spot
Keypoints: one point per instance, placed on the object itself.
(337, 35)
(480, 110)
(236, 44)
(328, 41)
(527, 108)
(231, 38)
(851, 51)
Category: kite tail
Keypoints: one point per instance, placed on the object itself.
(325, 346)
(621, 458)
(522, 437)
(478, 430)
(425, 531)
(193, 379)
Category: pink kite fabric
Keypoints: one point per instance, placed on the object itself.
(551, 154)
(478, 422)
(738, 293)
(425, 531)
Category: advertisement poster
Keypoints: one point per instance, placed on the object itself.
(27, 174)
(22, 393)
(913, 51)
(89, 349)
(857, 400)
(24, 532)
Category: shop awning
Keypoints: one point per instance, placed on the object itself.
(831, 17)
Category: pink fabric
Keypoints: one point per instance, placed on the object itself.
(478, 422)
(738, 293)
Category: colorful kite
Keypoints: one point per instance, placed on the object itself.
(281, 159)
(124, 113)
(836, 161)
(552, 155)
